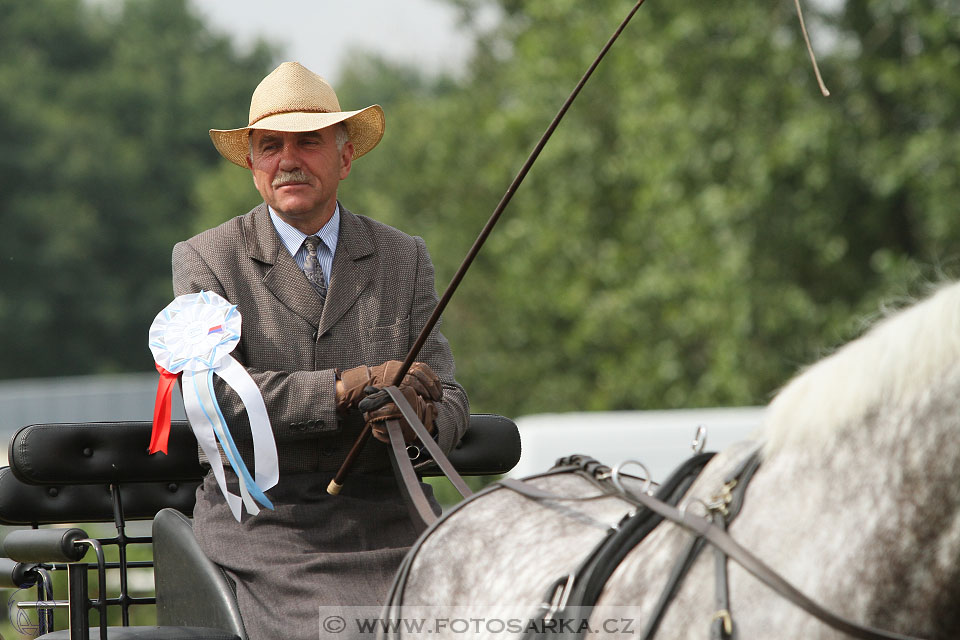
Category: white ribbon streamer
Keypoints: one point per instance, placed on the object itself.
(266, 466)
(203, 429)
(194, 336)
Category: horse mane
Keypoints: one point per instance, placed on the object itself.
(898, 358)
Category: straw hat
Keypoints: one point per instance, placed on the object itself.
(293, 98)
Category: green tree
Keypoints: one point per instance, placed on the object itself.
(703, 221)
(104, 158)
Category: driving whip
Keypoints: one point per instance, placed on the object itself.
(337, 483)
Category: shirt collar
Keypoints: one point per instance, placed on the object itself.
(292, 237)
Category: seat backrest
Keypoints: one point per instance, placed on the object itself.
(98, 472)
(101, 452)
(23, 504)
(101, 472)
(61, 473)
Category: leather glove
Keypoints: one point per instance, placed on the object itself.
(420, 377)
(376, 417)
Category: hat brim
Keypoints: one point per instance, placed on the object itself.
(365, 128)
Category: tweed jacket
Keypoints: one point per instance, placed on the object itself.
(380, 295)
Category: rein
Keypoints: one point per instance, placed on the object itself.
(419, 508)
(582, 587)
(711, 529)
(394, 598)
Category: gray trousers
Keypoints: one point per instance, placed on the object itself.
(311, 550)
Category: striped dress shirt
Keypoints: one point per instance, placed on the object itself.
(292, 239)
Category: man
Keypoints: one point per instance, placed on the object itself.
(326, 298)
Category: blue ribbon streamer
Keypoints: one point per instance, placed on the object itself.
(229, 448)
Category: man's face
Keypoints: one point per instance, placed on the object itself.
(297, 173)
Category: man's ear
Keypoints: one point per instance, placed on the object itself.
(346, 159)
(252, 174)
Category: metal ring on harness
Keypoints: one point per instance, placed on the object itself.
(699, 439)
(615, 476)
(682, 508)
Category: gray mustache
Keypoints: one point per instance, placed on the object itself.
(286, 177)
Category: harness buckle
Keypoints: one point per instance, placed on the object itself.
(721, 502)
(559, 598)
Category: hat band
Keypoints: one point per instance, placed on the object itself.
(281, 111)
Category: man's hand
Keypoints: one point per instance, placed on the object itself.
(425, 409)
(352, 383)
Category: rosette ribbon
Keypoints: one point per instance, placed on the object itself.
(193, 337)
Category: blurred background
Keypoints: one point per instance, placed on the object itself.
(703, 222)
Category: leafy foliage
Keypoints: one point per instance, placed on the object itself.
(701, 223)
(103, 118)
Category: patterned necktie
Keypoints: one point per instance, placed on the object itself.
(312, 268)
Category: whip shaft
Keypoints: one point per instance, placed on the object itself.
(477, 244)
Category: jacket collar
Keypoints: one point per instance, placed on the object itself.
(352, 268)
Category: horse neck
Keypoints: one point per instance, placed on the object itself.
(895, 362)
(877, 506)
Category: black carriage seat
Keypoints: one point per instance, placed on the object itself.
(211, 600)
(101, 472)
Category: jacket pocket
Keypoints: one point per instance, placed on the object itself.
(386, 343)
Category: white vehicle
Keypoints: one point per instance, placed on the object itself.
(658, 439)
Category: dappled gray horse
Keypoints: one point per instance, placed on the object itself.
(856, 503)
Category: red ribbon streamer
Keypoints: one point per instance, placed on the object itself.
(162, 411)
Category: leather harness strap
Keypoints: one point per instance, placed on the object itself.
(593, 575)
(721, 625)
(706, 530)
(728, 505)
(720, 539)
(582, 587)
(677, 575)
(427, 441)
(420, 511)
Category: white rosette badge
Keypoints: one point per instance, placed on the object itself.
(194, 336)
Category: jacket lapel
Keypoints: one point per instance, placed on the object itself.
(352, 269)
(283, 277)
